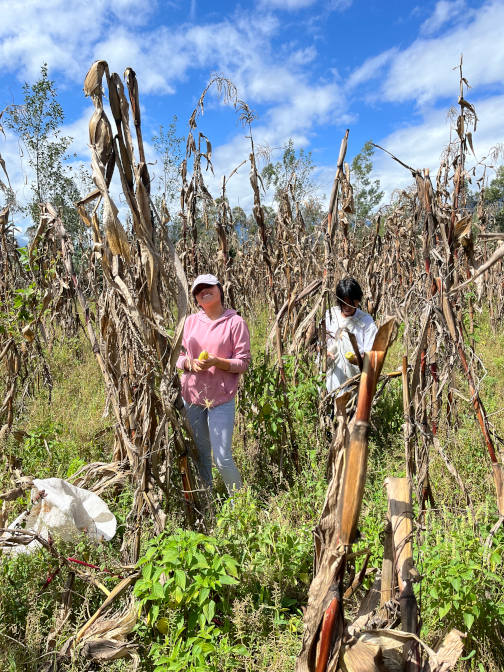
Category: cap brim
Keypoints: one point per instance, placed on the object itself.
(201, 281)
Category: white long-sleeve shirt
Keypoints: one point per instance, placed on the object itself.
(360, 324)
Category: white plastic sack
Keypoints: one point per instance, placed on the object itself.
(66, 510)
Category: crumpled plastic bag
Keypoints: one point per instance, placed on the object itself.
(64, 511)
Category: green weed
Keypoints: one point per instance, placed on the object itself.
(183, 586)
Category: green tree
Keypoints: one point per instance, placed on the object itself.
(37, 124)
(367, 194)
(495, 192)
(296, 168)
(170, 150)
(494, 195)
(242, 223)
(278, 175)
(312, 210)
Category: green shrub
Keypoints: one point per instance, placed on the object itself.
(262, 404)
(461, 586)
(186, 587)
(270, 553)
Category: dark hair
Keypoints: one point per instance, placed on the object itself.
(348, 288)
(220, 290)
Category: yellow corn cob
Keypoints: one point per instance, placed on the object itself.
(350, 355)
(203, 356)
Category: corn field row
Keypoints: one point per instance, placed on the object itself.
(426, 263)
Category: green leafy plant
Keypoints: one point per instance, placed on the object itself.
(465, 588)
(267, 416)
(74, 466)
(42, 441)
(270, 552)
(185, 589)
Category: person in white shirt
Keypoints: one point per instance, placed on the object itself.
(346, 317)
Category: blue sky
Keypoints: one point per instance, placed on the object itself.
(311, 69)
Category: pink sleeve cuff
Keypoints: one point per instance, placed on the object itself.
(241, 347)
(239, 365)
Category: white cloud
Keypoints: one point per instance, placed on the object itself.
(420, 145)
(164, 56)
(445, 11)
(20, 177)
(289, 5)
(371, 68)
(241, 46)
(245, 46)
(79, 131)
(303, 56)
(296, 5)
(59, 32)
(70, 36)
(424, 71)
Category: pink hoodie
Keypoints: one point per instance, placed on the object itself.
(228, 337)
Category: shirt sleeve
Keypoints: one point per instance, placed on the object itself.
(329, 325)
(241, 347)
(370, 332)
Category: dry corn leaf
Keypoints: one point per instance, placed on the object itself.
(115, 627)
(498, 254)
(83, 213)
(4, 217)
(470, 140)
(93, 79)
(114, 231)
(119, 589)
(87, 199)
(126, 164)
(100, 135)
(109, 649)
(28, 333)
(114, 101)
(362, 657)
(448, 654)
(116, 81)
(2, 163)
(463, 229)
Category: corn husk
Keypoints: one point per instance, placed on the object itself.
(114, 231)
(100, 135)
(93, 79)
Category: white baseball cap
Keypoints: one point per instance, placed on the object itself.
(207, 279)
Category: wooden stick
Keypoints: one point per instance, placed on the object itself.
(116, 592)
(387, 581)
(400, 507)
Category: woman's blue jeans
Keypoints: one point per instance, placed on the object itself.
(213, 431)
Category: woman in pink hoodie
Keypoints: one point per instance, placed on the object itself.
(209, 387)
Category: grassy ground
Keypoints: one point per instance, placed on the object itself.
(268, 530)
